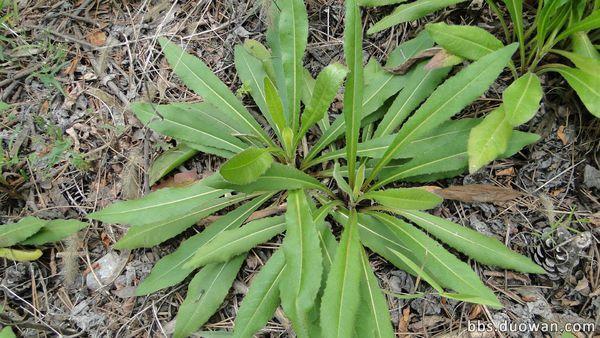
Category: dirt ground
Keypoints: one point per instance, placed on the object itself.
(70, 146)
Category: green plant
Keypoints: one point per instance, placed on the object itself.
(7, 332)
(395, 127)
(33, 231)
(556, 23)
(559, 31)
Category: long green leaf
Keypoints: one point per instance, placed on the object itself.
(375, 322)
(376, 237)
(446, 162)
(151, 234)
(326, 87)
(206, 292)
(582, 45)
(13, 233)
(432, 141)
(233, 242)
(489, 139)
(293, 35)
(444, 267)
(409, 12)
(169, 270)
(420, 84)
(521, 99)
(590, 22)
(418, 270)
(163, 204)
(168, 161)
(251, 71)
(589, 63)
(379, 86)
(55, 230)
(278, 177)
(275, 106)
(259, 51)
(341, 297)
(585, 84)
(247, 166)
(353, 93)
(553, 14)
(190, 123)
(405, 198)
(448, 99)
(198, 77)
(515, 9)
(262, 298)
(301, 279)
(469, 42)
(377, 3)
(484, 249)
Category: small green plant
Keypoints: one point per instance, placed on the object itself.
(559, 31)
(32, 231)
(394, 128)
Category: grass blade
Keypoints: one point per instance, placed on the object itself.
(278, 177)
(445, 268)
(405, 198)
(163, 204)
(325, 89)
(192, 123)
(469, 42)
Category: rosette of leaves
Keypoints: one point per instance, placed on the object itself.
(33, 231)
(393, 129)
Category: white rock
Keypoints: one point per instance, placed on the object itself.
(106, 269)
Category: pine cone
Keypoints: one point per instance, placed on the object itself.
(558, 251)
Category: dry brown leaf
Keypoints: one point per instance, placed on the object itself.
(442, 59)
(560, 133)
(96, 38)
(178, 180)
(506, 172)
(478, 193)
(403, 325)
(70, 70)
(405, 67)
(475, 311)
